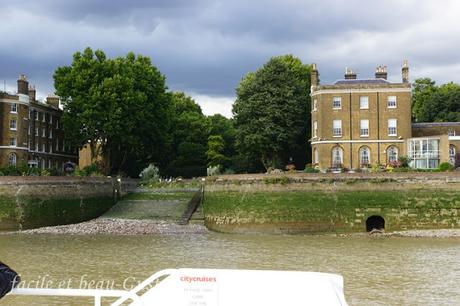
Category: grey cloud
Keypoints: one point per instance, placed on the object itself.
(206, 46)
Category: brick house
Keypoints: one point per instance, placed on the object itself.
(31, 132)
(361, 122)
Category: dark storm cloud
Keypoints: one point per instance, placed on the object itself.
(204, 47)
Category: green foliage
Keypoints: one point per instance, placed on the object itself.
(403, 161)
(120, 103)
(216, 151)
(443, 167)
(431, 103)
(187, 157)
(283, 180)
(213, 170)
(272, 112)
(23, 170)
(310, 169)
(91, 170)
(150, 174)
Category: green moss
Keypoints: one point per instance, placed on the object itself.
(322, 207)
(283, 180)
(159, 196)
(35, 212)
(45, 212)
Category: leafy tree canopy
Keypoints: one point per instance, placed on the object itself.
(272, 112)
(432, 103)
(120, 104)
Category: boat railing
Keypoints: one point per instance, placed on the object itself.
(97, 294)
(148, 282)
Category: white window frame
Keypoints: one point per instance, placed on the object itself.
(12, 159)
(44, 117)
(364, 102)
(14, 108)
(337, 155)
(36, 131)
(392, 102)
(315, 129)
(44, 132)
(51, 119)
(336, 128)
(13, 142)
(451, 133)
(364, 159)
(13, 125)
(43, 147)
(392, 151)
(364, 127)
(315, 105)
(392, 128)
(315, 156)
(51, 134)
(336, 102)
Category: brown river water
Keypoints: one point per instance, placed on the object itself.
(377, 271)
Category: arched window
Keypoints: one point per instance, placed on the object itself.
(315, 156)
(452, 153)
(337, 157)
(364, 156)
(392, 154)
(12, 159)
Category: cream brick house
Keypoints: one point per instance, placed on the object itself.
(361, 122)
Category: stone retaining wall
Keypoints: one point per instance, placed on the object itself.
(29, 202)
(332, 203)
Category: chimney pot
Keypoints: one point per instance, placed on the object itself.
(349, 74)
(23, 85)
(405, 72)
(52, 101)
(32, 93)
(381, 72)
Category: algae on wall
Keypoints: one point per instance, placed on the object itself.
(330, 211)
(31, 204)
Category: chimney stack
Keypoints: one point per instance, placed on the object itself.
(23, 85)
(314, 77)
(52, 101)
(32, 93)
(381, 72)
(349, 74)
(405, 72)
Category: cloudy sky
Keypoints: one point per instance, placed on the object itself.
(204, 47)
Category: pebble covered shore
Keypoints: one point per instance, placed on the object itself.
(120, 227)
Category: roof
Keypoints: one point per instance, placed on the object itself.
(434, 124)
(360, 81)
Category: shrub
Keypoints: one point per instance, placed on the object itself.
(310, 169)
(91, 170)
(404, 161)
(213, 170)
(446, 167)
(150, 174)
(229, 171)
(290, 168)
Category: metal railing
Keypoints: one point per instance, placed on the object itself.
(97, 294)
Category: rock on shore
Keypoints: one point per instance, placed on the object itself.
(120, 227)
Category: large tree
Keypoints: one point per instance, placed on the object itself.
(189, 135)
(431, 103)
(272, 112)
(118, 106)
